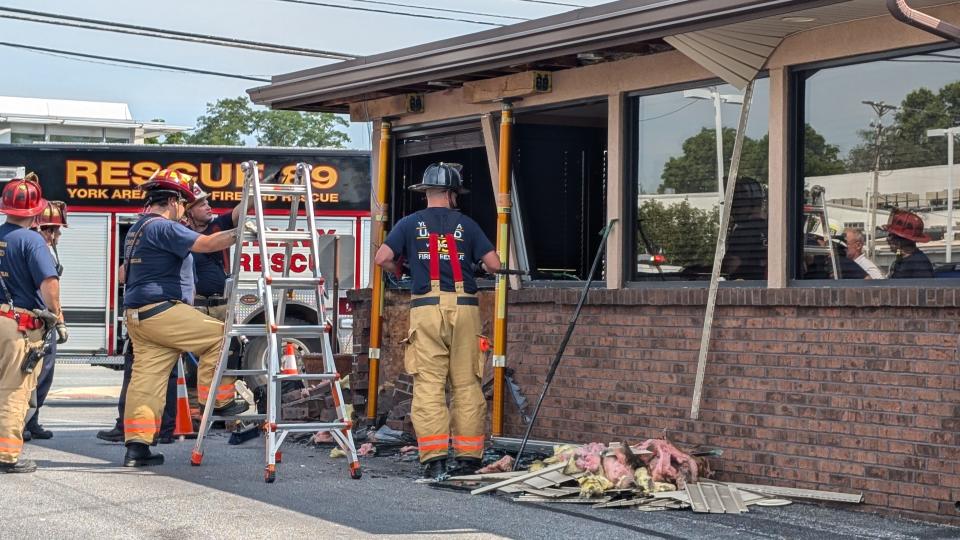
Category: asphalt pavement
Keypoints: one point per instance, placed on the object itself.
(82, 492)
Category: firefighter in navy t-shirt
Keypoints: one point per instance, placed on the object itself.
(160, 320)
(210, 269)
(48, 224)
(442, 247)
(31, 287)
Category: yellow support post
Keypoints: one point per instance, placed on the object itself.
(503, 250)
(378, 235)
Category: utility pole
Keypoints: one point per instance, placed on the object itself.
(880, 109)
(949, 133)
(718, 99)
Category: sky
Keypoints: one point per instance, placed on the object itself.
(179, 98)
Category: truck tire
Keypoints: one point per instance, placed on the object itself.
(253, 359)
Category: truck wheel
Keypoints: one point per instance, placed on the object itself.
(255, 354)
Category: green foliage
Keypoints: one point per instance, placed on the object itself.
(819, 158)
(904, 142)
(687, 236)
(230, 120)
(695, 171)
(292, 128)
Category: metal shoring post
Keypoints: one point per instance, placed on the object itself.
(721, 250)
(503, 250)
(196, 456)
(376, 303)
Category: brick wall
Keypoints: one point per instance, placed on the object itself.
(835, 389)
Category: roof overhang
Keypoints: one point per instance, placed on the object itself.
(731, 38)
(607, 26)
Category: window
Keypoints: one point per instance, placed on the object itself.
(874, 169)
(25, 138)
(677, 213)
(75, 138)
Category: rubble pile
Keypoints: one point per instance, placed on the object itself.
(652, 475)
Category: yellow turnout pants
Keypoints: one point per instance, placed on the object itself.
(443, 347)
(15, 385)
(157, 343)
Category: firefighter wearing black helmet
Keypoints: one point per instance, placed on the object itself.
(161, 323)
(442, 246)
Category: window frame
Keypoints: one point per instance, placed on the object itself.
(797, 75)
(631, 191)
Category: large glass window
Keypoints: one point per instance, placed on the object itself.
(679, 189)
(877, 200)
(25, 138)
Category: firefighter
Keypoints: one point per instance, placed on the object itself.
(442, 247)
(48, 224)
(210, 269)
(30, 305)
(160, 320)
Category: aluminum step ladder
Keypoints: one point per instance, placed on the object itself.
(274, 292)
(815, 214)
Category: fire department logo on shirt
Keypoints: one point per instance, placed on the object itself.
(443, 250)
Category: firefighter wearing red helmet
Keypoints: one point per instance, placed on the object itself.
(48, 223)
(29, 305)
(442, 247)
(160, 321)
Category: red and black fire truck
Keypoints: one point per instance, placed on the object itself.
(99, 183)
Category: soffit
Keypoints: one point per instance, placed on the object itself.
(737, 52)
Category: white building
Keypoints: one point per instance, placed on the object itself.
(29, 120)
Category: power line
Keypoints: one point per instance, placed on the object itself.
(440, 10)
(122, 28)
(388, 12)
(131, 62)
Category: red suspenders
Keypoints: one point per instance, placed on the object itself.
(454, 258)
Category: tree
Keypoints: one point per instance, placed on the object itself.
(230, 121)
(291, 128)
(687, 236)
(695, 171)
(904, 142)
(226, 123)
(820, 158)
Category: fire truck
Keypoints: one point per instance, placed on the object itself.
(99, 183)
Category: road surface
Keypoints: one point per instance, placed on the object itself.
(82, 492)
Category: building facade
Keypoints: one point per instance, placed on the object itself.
(815, 377)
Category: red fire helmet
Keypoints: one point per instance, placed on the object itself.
(22, 197)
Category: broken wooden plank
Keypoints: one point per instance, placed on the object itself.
(813, 494)
(518, 479)
(552, 493)
(552, 479)
(488, 477)
(624, 503)
(569, 500)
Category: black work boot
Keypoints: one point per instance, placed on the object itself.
(465, 466)
(26, 436)
(36, 430)
(19, 466)
(234, 408)
(138, 455)
(435, 469)
(111, 435)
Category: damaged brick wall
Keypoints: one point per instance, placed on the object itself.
(834, 389)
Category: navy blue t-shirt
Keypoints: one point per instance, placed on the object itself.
(25, 262)
(210, 269)
(160, 266)
(410, 239)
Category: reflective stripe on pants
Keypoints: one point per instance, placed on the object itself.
(157, 342)
(15, 386)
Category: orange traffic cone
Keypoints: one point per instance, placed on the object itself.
(288, 365)
(184, 424)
